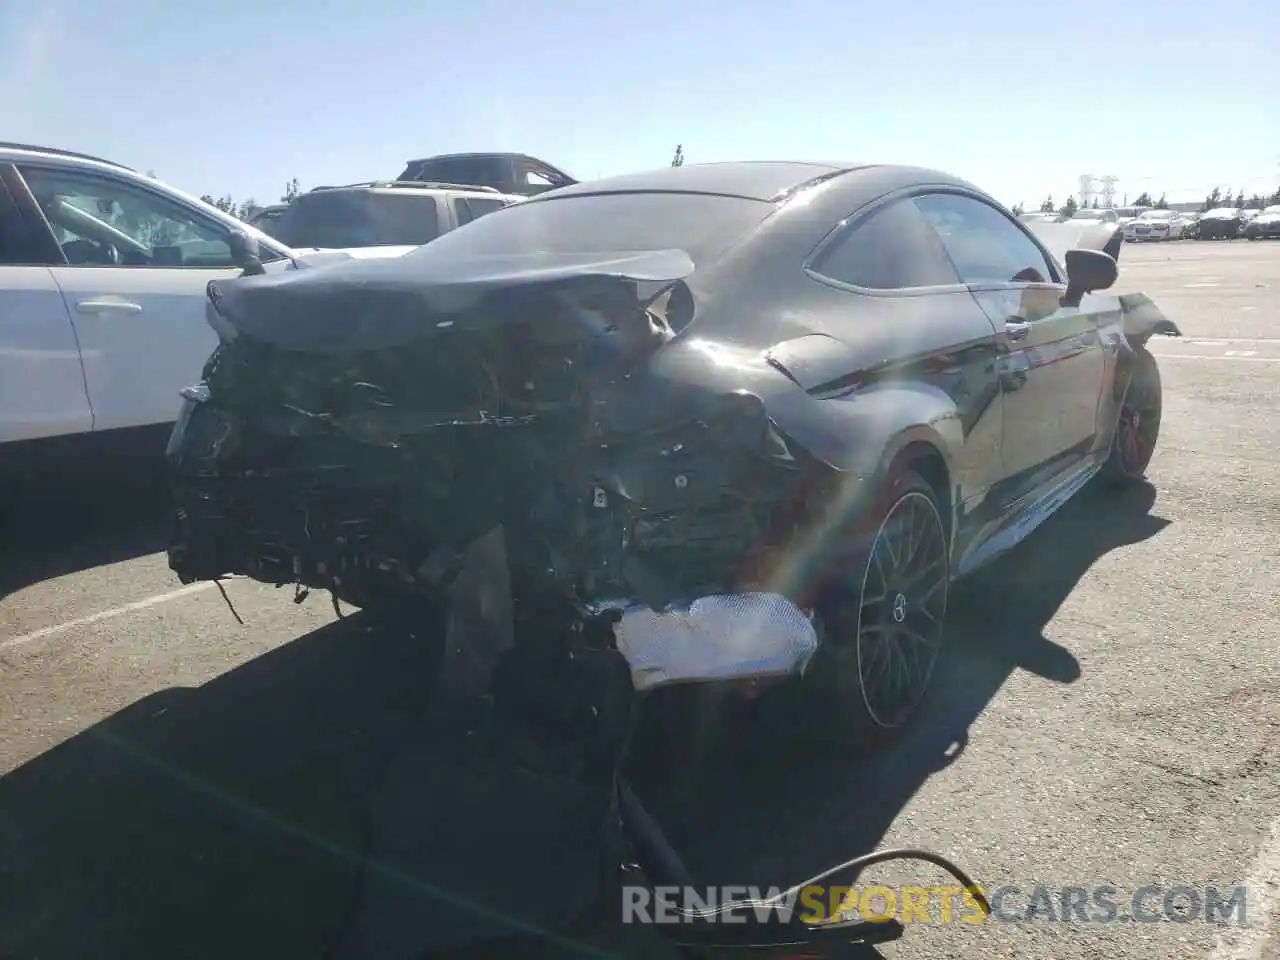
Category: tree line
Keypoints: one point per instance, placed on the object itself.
(1216, 198)
(244, 209)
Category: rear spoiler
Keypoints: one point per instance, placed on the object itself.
(1062, 236)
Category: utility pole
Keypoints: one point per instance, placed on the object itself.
(1109, 191)
(1086, 190)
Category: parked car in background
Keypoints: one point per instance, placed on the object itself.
(1098, 214)
(1223, 223)
(1040, 216)
(510, 173)
(1158, 225)
(103, 276)
(265, 219)
(1266, 225)
(1125, 216)
(383, 213)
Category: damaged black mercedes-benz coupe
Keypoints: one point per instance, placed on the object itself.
(757, 416)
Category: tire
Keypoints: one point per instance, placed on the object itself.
(1137, 424)
(883, 597)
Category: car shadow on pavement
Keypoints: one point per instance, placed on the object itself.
(232, 819)
(222, 821)
(80, 522)
(754, 804)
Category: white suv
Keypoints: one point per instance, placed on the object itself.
(382, 213)
(102, 300)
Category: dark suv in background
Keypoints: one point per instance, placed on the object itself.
(509, 173)
(1224, 223)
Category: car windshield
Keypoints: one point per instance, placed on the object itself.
(1223, 212)
(701, 225)
(1158, 215)
(358, 218)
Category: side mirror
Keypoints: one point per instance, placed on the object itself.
(1087, 272)
(245, 253)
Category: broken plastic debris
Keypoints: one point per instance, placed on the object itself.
(715, 638)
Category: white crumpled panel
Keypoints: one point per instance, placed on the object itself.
(721, 637)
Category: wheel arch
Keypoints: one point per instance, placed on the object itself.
(922, 453)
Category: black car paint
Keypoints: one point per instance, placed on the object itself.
(1265, 225)
(1009, 399)
(1224, 227)
(502, 171)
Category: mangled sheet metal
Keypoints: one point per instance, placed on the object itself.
(362, 423)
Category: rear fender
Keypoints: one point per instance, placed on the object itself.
(861, 434)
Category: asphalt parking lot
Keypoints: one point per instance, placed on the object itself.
(178, 784)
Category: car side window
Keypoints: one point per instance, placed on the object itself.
(472, 208)
(984, 244)
(891, 248)
(16, 247)
(100, 221)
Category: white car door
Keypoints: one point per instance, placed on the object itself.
(138, 263)
(42, 392)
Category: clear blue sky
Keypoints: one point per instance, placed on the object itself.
(237, 97)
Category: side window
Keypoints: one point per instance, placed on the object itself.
(481, 171)
(535, 179)
(892, 248)
(100, 221)
(984, 244)
(472, 208)
(16, 246)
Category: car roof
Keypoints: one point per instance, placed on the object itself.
(477, 154)
(763, 180)
(411, 187)
(58, 153)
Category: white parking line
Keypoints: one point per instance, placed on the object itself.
(1194, 340)
(45, 632)
(1263, 896)
(1212, 356)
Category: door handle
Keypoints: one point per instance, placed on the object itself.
(108, 306)
(1017, 331)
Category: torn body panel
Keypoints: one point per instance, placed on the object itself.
(366, 459)
(1144, 320)
(1059, 237)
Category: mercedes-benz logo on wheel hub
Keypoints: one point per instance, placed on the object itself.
(899, 608)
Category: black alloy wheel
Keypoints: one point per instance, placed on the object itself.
(1138, 423)
(880, 620)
